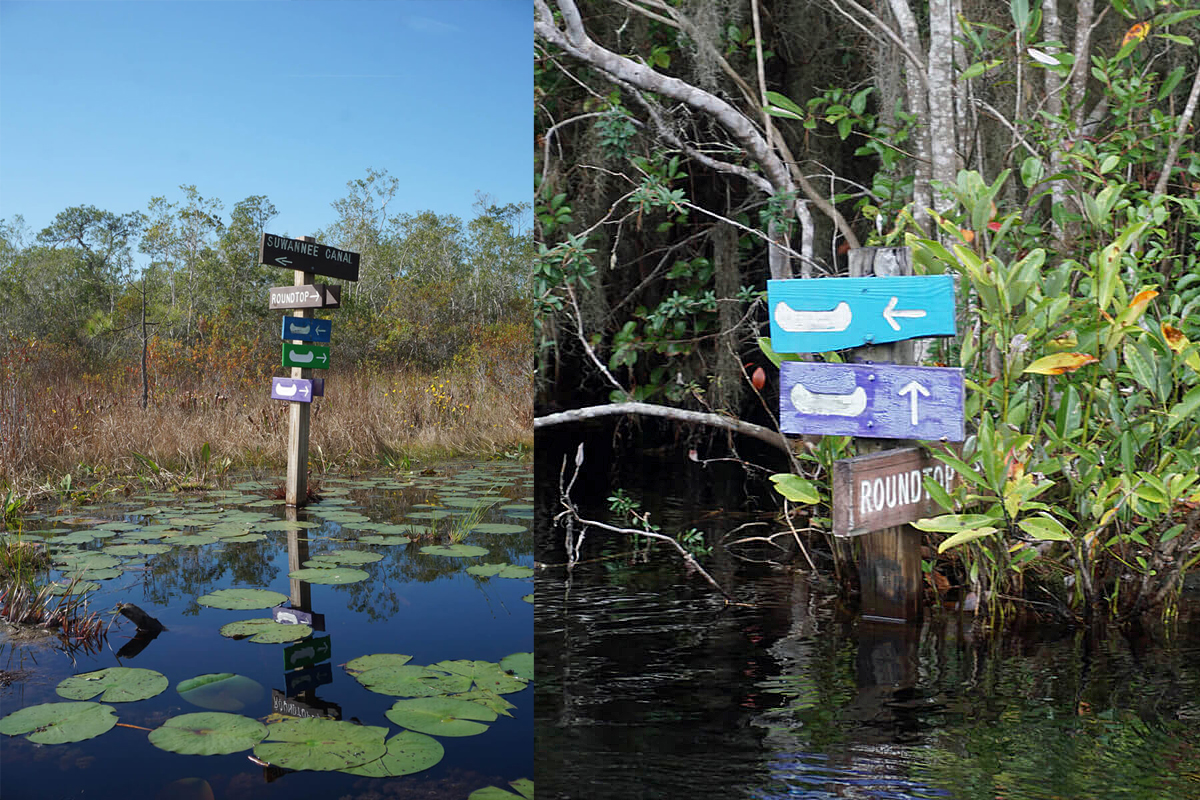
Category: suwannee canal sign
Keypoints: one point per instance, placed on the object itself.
(313, 257)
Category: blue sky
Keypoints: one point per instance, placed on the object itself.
(111, 103)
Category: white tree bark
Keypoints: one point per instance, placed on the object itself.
(942, 134)
(914, 78)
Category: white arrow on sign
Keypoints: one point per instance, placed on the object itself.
(793, 321)
(838, 405)
(912, 389)
(303, 390)
(891, 312)
(283, 261)
(323, 358)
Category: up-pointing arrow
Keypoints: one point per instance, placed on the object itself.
(891, 312)
(912, 389)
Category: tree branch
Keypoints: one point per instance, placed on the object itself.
(1185, 119)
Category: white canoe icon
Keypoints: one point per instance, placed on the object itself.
(302, 358)
(834, 405)
(285, 391)
(300, 329)
(793, 321)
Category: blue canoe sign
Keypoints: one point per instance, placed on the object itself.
(878, 401)
(297, 390)
(817, 315)
(305, 329)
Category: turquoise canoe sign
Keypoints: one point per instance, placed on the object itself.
(307, 356)
(817, 315)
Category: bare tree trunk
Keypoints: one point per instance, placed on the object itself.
(940, 75)
(918, 106)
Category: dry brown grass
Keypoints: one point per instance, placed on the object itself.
(54, 421)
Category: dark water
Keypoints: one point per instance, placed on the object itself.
(413, 603)
(649, 686)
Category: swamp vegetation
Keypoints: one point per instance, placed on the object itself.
(1042, 153)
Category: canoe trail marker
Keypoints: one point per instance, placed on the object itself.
(306, 258)
(880, 396)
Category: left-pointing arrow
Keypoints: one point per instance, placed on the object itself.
(890, 312)
(283, 261)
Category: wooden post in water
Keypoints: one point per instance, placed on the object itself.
(297, 471)
(300, 591)
(889, 565)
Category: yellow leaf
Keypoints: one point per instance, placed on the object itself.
(1059, 363)
(1138, 305)
(1178, 342)
(1138, 31)
(1066, 341)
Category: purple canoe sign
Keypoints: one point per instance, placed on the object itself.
(295, 389)
(878, 401)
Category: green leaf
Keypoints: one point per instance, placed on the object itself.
(60, 723)
(484, 675)
(777, 359)
(1045, 528)
(208, 733)
(948, 523)
(1185, 410)
(333, 576)
(980, 67)
(455, 550)
(361, 664)
(412, 680)
(520, 664)
(265, 631)
(220, 691)
(795, 488)
(964, 537)
(407, 752)
(321, 744)
(524, 788)
(441, 716)
(242, 599)
(785, 103)
(114, 685)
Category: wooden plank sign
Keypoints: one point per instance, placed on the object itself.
(317, 295)
(817, 315)
(884, 489)
(306, 653)
(282, 704)
(305, 356)
(307, 256)
(306, 329)
(297, 390)
(878, 401)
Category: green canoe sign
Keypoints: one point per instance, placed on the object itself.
(307, 653)
(306, 356)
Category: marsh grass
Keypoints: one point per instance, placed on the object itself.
(56, 421)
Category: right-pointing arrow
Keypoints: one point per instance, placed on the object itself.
(912, 389)
(891, 312)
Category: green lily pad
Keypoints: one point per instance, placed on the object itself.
(454, 550)
(118, 526)
(341, 517)
(411, 680)
(97, 574)
(407, 752)
(208, 733)
(242, 599)
(252, 536)
(78, 537)
(519, 664)
(411, 529)
(75, 587)
(501, 571)
(484, 675)
(321, 744)
(498, 527)
(88, 559)
(528, 598)
(363, 663)
(352, 557)
(332, 576)
(385, 540)
(136, 549)
(221, 691)
(59, 723)
(191, 539)
(441, 716)
(265, 631)
(114, 685)
(487, 699)
(524, 788)
(429, 514)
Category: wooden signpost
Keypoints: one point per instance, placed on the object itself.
(881, 397)
(307, 258)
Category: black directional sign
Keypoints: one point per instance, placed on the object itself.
(321, 259)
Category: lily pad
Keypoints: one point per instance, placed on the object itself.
(454, 550)
(114, 685)
(146, 549)
(501, 571)
(208, 733)
(411, 680)
(407, 752)
(411, 529)
(484, 675)
(487, 699)
(363, 663)
(188, 539)
(73, 587)
(441, 716)
(429, 514)
(385, 540)
(519, 664)
(78, 537)
(59, 723)
(221, 691)
(524, 788)
(352, 557)
(332, 576)
(98, 574)
(242, 599)
(528, 598)
(321, 744)
(498, 527)
(265, 631)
